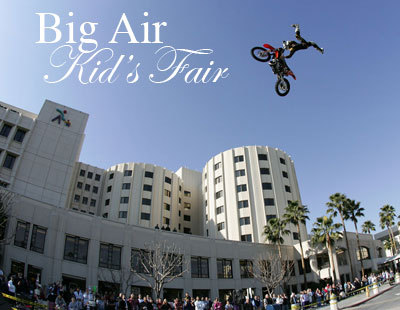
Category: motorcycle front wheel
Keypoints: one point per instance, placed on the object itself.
(260, 54)
(282, 87)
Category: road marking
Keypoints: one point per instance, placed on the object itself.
(398, 294)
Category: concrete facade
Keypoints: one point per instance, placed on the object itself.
(69, 212)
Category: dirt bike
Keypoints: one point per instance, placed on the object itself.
(277, 64)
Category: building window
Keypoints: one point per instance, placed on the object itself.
(179, 213)
(95, 189)
(285, 174)
(187, 205)
(241, 188)
(126, 185)
(217, 166)
(221, 226)
(38, 238)
(168, 180)
(243, 204)
(85, 200)
(148, 174)
(295, 236)
(127, 173)
(199, 267)
(244, 221)
(283, 162)
(245, 238)
(77, 198)
(270, 217)
(179, 200)
(205, 189)
(20, 135)
(364, 253)
(82, 173)
(107, 202)
(110, 256)
(186, 218)
(79, 185)
(92, 202)
(287, 188)
(180, 188)
(167, 193)
(187, 194)
(76, 249)
(5, 131)
(264, 171)
(9, 161)
(186, 230)
(306, 263)
(87, 187)
(224, 268)
(97, 177)
(219, 194)
(246, 268)
(123, 214)
(238, 158)
(109, 188)
(267, 186)
(323, 261)
(341, 257)
(220, 209)
(90, 175)
(124, 200)
(146, 201)
(167, 207)
(22, 234)
(147, 187)
(218, 180)
(136, 261)
(269, 202)
(262, 157)
(111, 176)
(145, 216)
(240, 173)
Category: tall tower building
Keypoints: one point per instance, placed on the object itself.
(245, 187)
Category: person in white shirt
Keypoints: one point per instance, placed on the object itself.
(11, 287)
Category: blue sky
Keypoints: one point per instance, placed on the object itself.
(339, 122)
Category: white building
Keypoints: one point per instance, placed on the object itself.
(84, 224)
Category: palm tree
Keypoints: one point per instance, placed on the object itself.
(297, 214)
(387, 245)
(367, 227)
(338, 205)
(326, 232)
(387, 216)
(274, 232)
(354, 212)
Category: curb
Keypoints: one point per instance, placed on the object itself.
(369, 298)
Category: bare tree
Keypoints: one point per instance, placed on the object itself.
(272, 271)
(7, 202)
(161, 262)
(122, 277)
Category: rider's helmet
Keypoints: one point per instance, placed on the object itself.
(285, 45)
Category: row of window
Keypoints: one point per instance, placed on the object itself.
(89, 175)
(95, 189)
(19, 134)
(85, 200)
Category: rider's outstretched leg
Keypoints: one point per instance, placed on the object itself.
(315, 45)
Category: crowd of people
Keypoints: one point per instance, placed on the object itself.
(57, 296)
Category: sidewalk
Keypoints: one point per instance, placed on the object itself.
(361, 298)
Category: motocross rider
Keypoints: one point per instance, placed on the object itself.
(280, 58)
(294, 46)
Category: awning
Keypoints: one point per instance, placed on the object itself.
(384, 260)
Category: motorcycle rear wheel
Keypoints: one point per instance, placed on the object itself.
(282, 87)
(260, 54)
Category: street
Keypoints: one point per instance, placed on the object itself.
(388, 301)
